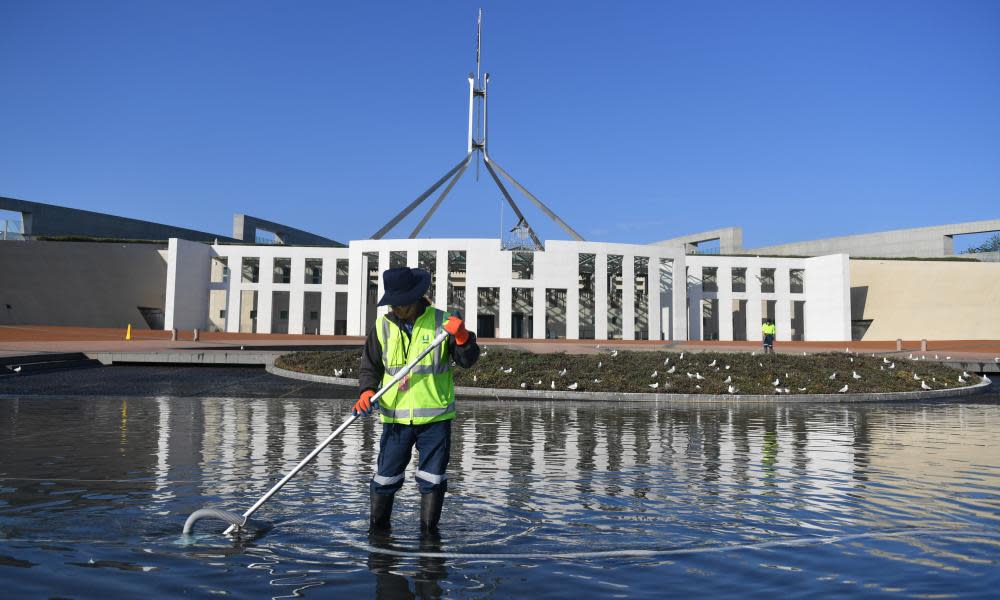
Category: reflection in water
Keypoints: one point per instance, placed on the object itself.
(525, 477)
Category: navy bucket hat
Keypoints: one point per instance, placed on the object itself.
(404, 286)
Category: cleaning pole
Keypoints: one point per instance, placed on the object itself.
(239, 521)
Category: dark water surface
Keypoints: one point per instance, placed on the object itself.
(895, 500)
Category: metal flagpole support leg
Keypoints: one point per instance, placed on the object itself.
(233, 519)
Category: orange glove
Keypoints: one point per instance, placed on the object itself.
(364, 404)
(456, 327)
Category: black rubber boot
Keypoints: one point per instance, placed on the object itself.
(430, 511)
(381, 512)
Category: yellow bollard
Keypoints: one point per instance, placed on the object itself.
(128, 332)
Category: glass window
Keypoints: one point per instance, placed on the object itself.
(522, 265)
(710, 279)
(427, 260)
(587, 274)
(796, 278)
(220, 269)
(740, 279)
(282, 270)
(397, 259)
(342, 270)
(615, 296)
(767, 281)
(641, 299)
(314, 270)
(251, 269)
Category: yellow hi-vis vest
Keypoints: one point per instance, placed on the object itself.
(427, 394)
(768, 328)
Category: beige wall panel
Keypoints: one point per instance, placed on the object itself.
(917, 299)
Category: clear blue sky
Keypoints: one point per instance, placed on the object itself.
(635, 121)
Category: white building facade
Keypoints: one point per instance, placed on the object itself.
(571, 290)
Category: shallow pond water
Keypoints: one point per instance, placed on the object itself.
(545, 500)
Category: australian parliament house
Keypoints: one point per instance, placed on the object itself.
(887, 285)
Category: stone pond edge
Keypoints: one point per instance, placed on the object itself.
(509, 394)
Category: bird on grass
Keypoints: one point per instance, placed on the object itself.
(785, 391)
(885, 360)
(672, 369)
(654, 385)
(539, 382)
(834, 376)
(690, 376)
(924, 386)
(654, 374)
(598, 380)
(697, 387)
(776, 381)
(572, 386)
(524, 385)
(682, 357)
(17, 369)
(475, 378)
(727, 367)
(892, 366)
(843, 389)
(666, 361)
(802, 389)
(338, 372)
(508, 370)
(916, 377)
(961, 379)
(600, 364)
(732, 389)
(553, 385)
(965, 373)
(614, 353)
(881, 368)
(854, 375)
(728, 379)
(698, 376)
(712, 364)
(562, 373)
(777, 390)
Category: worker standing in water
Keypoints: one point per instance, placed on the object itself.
(419, 410)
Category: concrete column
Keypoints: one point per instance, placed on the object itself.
(601, 296)
(679, 309)
(383, 264)
(471, 311)
(653, 293)
(506, 307)
(754, 299)
(328, 299)
(628, 297)
(573, 312)
(296, 295)
(538, 313)
(356, 269)
(783, 309)
(188, 277)
(441, 276)
(235, 293)
(265, 294)
(724, 277)
(694, 315)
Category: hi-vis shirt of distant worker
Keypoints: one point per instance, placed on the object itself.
(418, 411)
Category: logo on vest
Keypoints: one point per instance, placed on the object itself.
(426, 338)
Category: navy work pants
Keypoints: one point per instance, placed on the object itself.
(433, 442)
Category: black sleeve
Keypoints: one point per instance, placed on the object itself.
(372, 368)
(467, 355)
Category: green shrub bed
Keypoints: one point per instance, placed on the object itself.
(673, 372)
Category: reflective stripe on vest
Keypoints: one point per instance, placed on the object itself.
(427, 394)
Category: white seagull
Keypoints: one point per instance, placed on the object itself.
(712, 364)
(338, 372)
(728, 379)
(563, 372)
(672, 369)
(698, 375)
(509, 370)
(682, 357)
(916, 377)
(689, 375)
(776, 381)
(666, 361)
(777, 390)
(598, 380)
(572, 386)
(855, 375)
(654, 385)
(475, 378)
(654, 374)
(17, 369)
(892, 366)
(727, 367)
(960, 379)
(539, 382)
(802, 389)
(924, 386)
(843, 389)
(732, 389)
(614, 353)
(834, 376)
(552, 385)
(524, 385)
(600, 364)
